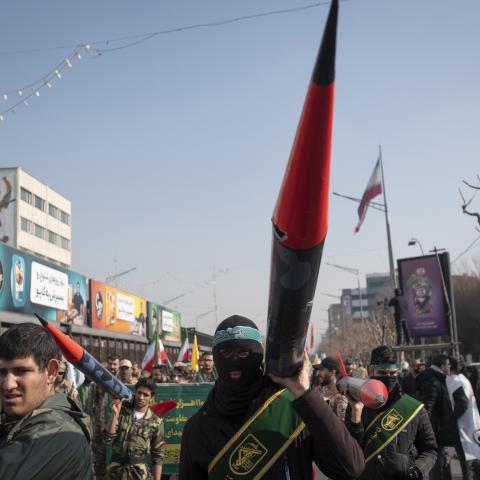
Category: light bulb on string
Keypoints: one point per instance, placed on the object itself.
(47, 84)
(5, 96)
(57, 73)
(78, 56)
(20, 93)
(68, 63)
(1, 118)
(25, 103)
(88, 47)
(37, 93)
(13, 111)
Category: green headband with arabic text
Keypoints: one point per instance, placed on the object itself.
(237, 333)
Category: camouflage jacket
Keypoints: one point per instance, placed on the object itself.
(66, 387)
(136, 439)
(50, 443)
(204, 377)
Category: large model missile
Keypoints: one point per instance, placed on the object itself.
(372, 393)
(301, 215)
(86, 363)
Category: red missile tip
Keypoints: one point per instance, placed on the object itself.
(373, 394)
(162, 408)
(71, 350)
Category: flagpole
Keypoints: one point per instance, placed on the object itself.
(387, 222)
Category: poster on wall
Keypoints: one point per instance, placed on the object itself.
(116, 310)
(166, 320)
(30, 285)
(7, 208)
(422, 286)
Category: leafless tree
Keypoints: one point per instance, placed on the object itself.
(466, 203)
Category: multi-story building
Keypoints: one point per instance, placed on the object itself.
(34, 218)
(356, 302)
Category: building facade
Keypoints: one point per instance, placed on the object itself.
(35, 218)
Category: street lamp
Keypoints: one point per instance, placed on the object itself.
(416, 241)
(355, 272)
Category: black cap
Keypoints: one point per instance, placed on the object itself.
(382, 355)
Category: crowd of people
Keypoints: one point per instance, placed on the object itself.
(51, 430)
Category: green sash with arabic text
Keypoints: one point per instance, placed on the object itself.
(388, 424)
(250, 453)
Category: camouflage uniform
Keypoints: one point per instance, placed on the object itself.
(206, 377)
(50, 443)
(337, 402)
(66, 387)
(132, 443)
(102, 402)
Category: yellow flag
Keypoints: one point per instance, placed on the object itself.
(195, 354)
(316, 360)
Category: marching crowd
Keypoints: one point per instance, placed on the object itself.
(51, 430)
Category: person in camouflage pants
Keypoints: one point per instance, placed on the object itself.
(136, 434)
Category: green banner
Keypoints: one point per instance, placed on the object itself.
(189, 398)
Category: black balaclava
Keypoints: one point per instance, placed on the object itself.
(233, 397)
(383, 357)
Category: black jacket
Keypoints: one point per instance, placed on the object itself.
(433, 393)
(415, 444)
(327, 442)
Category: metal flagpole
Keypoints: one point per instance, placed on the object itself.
(389, 237)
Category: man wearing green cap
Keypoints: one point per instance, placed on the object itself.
(251, 427)
(397, 439)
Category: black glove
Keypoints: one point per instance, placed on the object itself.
(400, 466)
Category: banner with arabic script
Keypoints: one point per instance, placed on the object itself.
(30, 284)
(189, 398)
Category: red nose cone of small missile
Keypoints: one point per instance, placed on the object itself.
(71, 350)
(162, 408)
(373, 394)
(300, 217)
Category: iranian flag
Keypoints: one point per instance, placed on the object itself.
(155, 355)
(374, 188)
(183, 355)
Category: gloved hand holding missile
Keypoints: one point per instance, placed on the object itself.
(372, 393)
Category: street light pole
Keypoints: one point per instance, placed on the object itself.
(416, 241)
(355, 272)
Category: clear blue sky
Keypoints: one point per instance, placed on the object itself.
(172, 152)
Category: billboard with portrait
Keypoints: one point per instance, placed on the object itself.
(424, 291)
(117, 311)
(166, 320)
(31, 285)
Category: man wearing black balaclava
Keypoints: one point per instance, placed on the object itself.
(240, 395)
(398, 439)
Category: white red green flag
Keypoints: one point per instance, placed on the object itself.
(155, 355)
(184, 354)
(374, 188)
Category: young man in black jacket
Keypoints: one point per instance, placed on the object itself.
(243, 394)
(398, 439)
(433, 393)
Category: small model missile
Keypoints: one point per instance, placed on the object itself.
(86, 363)
(372, 393)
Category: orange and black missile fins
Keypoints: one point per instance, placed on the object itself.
(300, 217)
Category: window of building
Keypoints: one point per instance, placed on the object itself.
(26, 195)
(52, 210)
(39, 203)
(25, 225)
(65, 243)
(52, 237)
(64, 217)
(38, 231)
